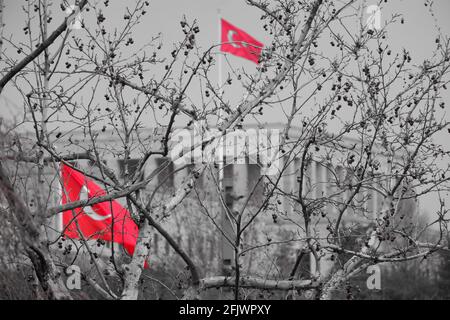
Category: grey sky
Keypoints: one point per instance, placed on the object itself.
(417, 34)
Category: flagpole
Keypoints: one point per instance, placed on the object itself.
(225, 250)
(59, 216)
(219, 85)
(219, 38)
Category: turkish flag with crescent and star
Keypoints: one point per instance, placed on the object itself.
(108, 221)
(240, 43)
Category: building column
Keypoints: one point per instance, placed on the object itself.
(235, 193)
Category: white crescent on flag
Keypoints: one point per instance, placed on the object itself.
(231, 33)
(84, 195)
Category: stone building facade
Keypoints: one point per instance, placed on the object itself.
(192, 223)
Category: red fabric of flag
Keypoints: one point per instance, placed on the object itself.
(108, 221)
(240, 43)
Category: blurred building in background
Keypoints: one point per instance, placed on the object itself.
(277, 228)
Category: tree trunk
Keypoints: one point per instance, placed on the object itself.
(38, 252)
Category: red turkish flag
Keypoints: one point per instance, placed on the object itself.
(240, 43)
(106, 220)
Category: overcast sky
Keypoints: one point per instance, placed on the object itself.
(417, 34)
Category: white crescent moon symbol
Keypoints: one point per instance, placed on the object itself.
(230, 38)
(84, 192)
